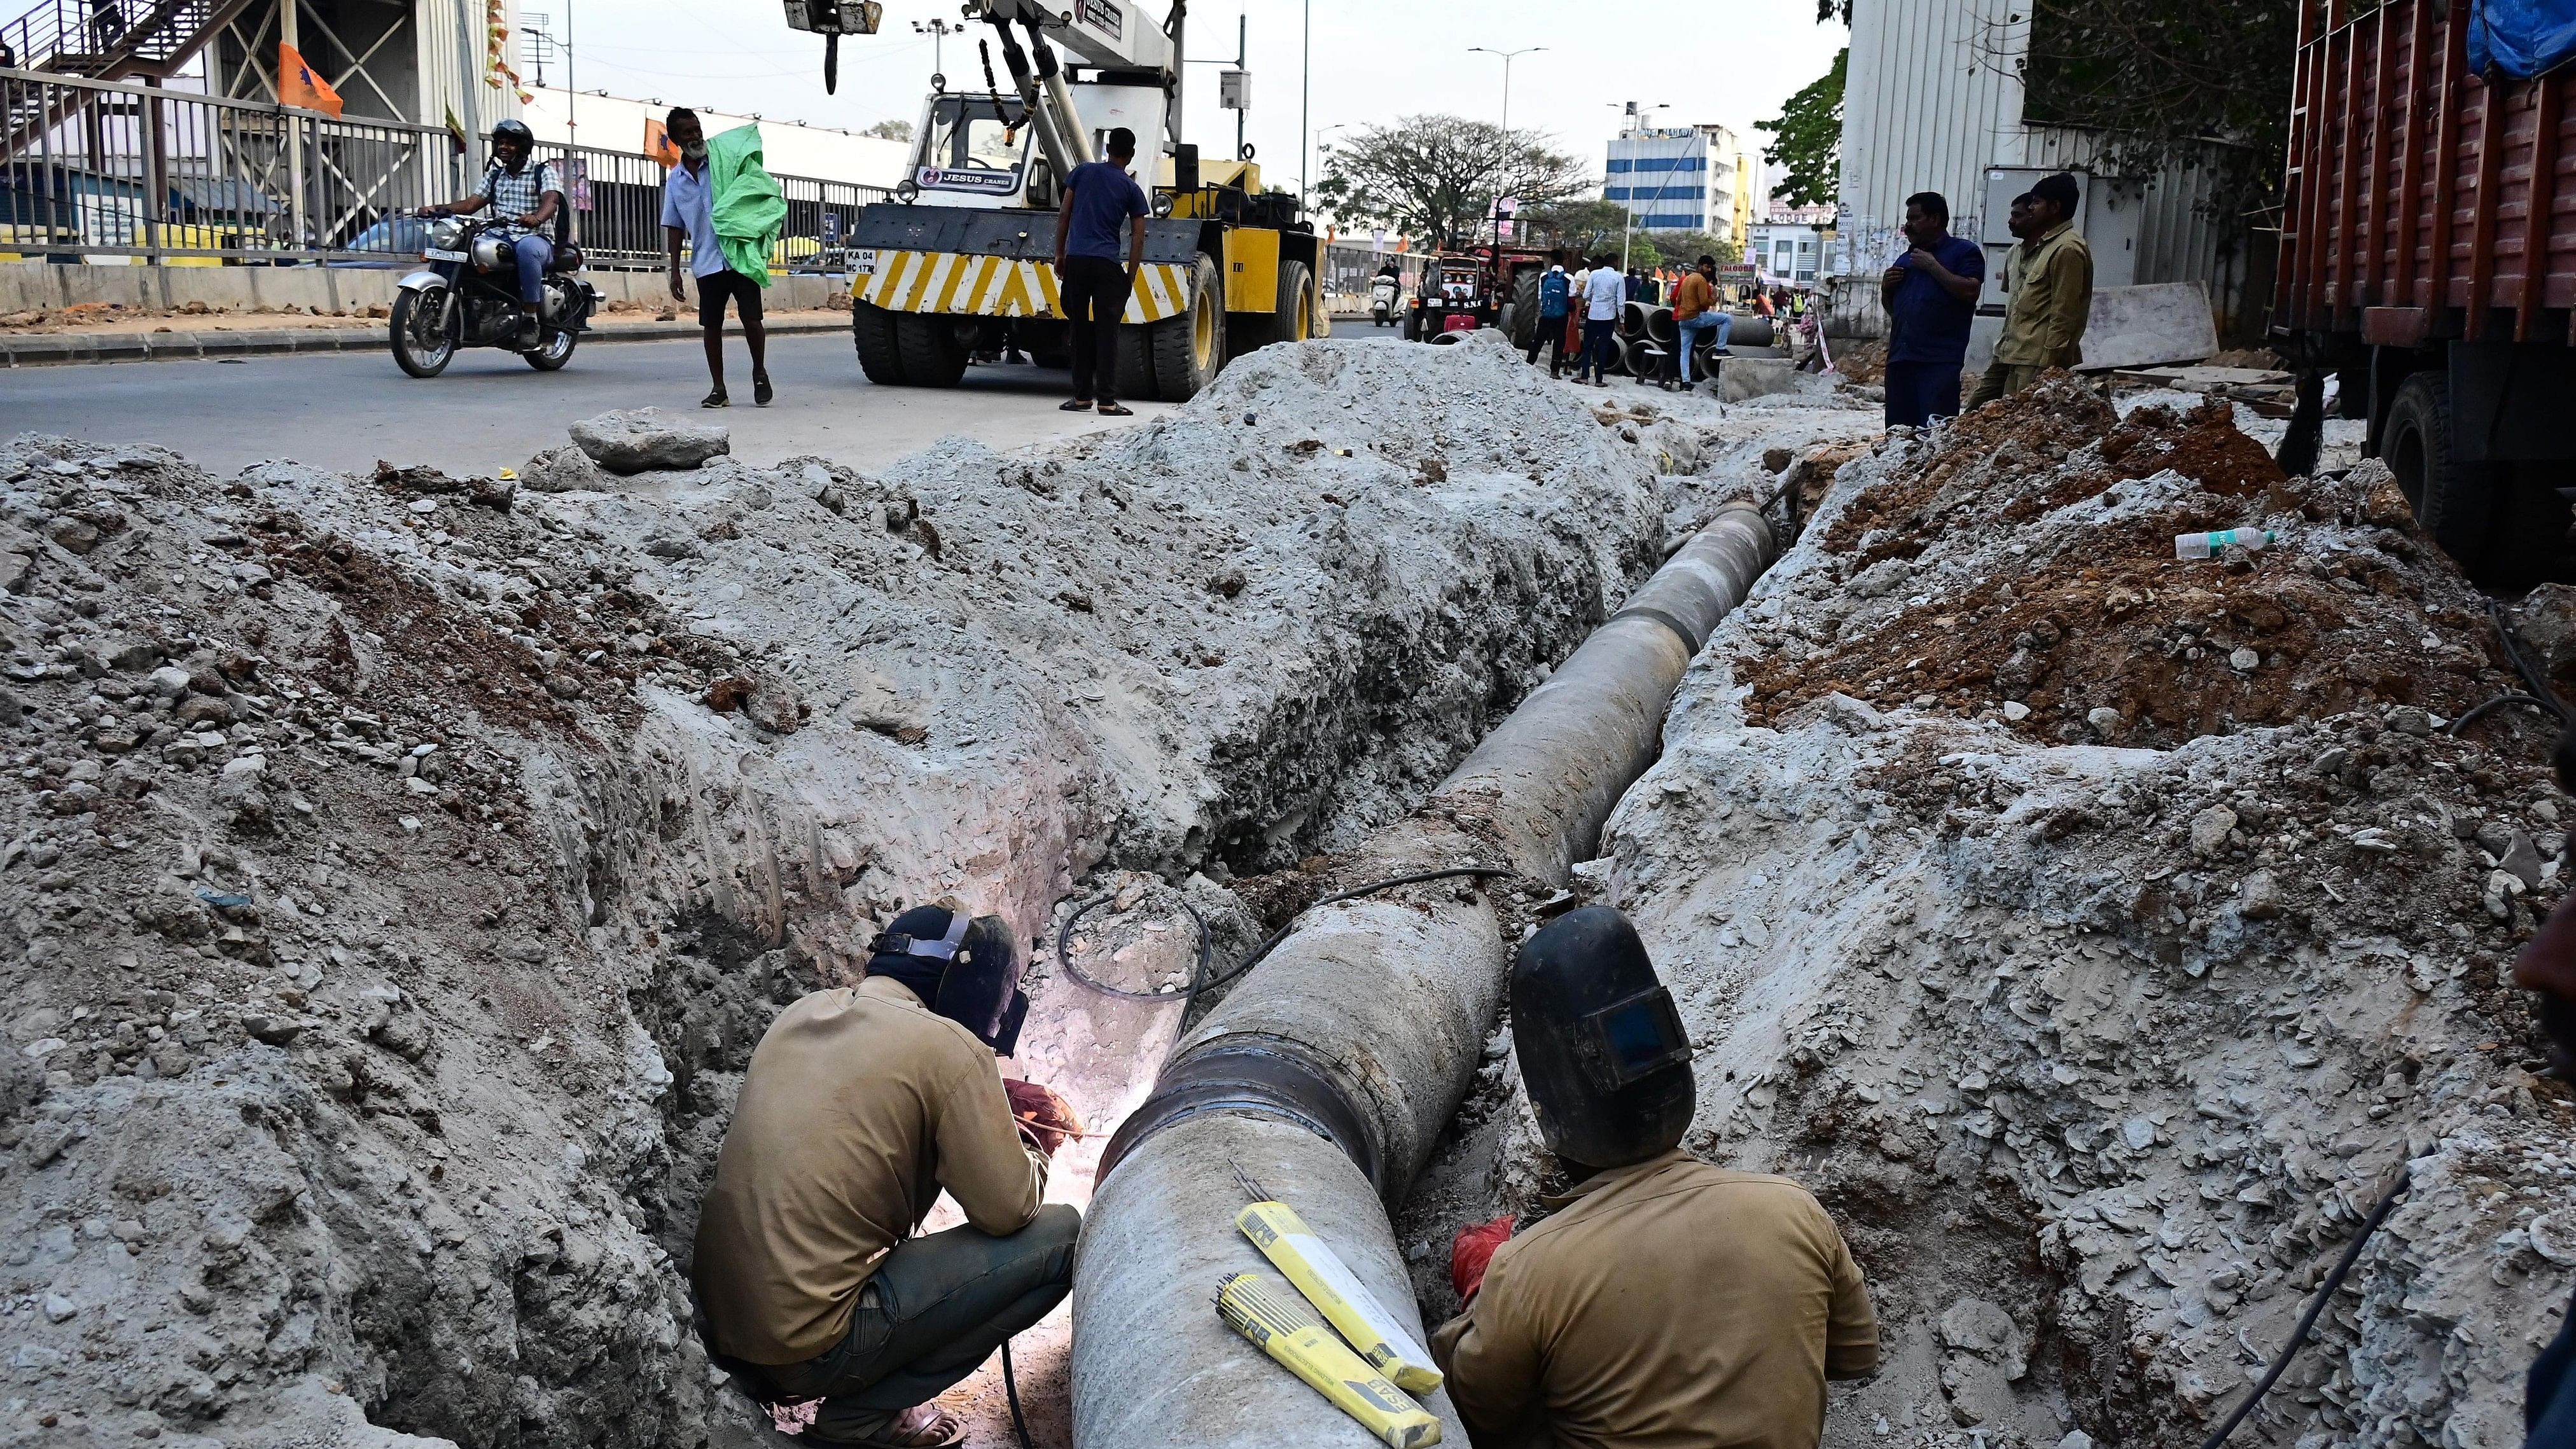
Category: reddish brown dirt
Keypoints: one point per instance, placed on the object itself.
(2122, 623)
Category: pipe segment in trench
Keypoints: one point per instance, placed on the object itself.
(1325, 1078)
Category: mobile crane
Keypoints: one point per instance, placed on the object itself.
(963, 260)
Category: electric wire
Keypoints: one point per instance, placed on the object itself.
(1073, 968)
(2308, 1320)
(2471, 715)
(2532, 678)
(1011, 1387)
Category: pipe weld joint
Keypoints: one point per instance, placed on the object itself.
(1255, 1076)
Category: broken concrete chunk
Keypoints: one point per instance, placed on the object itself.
(2210, 828)
(636, 440)
(562, 470)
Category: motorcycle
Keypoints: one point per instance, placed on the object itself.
(1386, 294)
(469, 297)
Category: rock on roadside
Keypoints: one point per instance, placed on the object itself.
(637, 440)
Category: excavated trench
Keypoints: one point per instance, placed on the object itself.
(408, 870)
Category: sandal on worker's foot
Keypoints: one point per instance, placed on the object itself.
(761, 391)
(1116, 410)
(923, 1426)
(716, 399)
(1077, 405)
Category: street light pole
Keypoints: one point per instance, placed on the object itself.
(1508, 56)
(1305, 98)
(938, 31)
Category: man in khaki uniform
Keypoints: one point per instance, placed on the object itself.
(2049, 282)
(1666, 1302)
(860, 1105)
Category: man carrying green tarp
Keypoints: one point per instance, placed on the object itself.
(726, 207)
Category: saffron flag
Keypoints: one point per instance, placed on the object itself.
(298, 85)
(658, 143)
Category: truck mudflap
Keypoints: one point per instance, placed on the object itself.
(990, 286)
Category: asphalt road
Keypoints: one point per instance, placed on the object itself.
(490, 410)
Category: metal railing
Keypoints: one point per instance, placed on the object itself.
(90, 169)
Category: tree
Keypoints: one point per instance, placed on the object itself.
(2160, 81)
(890, 131)
(1589, 227)
(1685, 248)
(1435, 178)
(1807, 139)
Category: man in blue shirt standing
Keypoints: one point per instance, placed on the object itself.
(1931, 296)
(689, 216)
(1098, 197)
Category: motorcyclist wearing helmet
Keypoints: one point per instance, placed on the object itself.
(860, 1105)
(525, 195)
(1665, 1301)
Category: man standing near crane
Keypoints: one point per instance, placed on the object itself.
(1100, 199)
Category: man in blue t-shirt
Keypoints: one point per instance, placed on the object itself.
(1098, 197)
(1931, 296)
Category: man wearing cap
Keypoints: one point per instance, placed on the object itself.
(1664, 1301)
(2048, 285)
(860, 1105)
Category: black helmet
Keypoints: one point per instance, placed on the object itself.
(1601, 1047)
(514, 130)
(965, 969)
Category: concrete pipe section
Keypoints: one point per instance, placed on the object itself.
(1324, 1080)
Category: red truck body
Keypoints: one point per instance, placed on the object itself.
(2428, 258)
(2424, 202)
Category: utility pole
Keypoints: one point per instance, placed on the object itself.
(1305, 100)
(1508, 56)
(938, 31)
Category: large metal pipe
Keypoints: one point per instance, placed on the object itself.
(1326, 1077)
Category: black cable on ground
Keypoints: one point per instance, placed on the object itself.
(2308, 1320)
(1064, 955)
(2499, 702)
(1011, 1387)
(2532, 678)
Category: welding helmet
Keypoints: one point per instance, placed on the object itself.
(966, 969)
(1601, 1046)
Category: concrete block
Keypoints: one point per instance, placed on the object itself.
(1739, 378)
(2147, 325)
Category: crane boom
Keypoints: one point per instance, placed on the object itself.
(1112, 33)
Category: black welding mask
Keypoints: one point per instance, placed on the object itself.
(966, 969)
(1601, 1046)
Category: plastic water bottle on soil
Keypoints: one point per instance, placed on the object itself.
(2210, 545)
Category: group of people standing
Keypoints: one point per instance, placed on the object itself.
(1930, 294)
(1601, 290)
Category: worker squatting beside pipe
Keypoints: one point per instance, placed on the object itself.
(1325, 1079)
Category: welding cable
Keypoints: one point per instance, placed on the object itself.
(1011, 1386)
(1370, 889)
(2308, 1320)
(2532, 678)
(2499, 702)
(1064, 955)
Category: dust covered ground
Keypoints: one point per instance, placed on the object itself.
(2099, 933)
(400, 868)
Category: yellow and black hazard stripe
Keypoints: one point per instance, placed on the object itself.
(908, 281)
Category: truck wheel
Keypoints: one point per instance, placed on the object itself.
(1292, 321)
(931, 352)
(1189, 348)
(872, 329)
(1135, 381)
(1524, 319)
(2455, 503)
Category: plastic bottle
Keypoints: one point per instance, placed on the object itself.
(2209, 545)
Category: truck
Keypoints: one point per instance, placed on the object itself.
(2427, 260)
(963, 260)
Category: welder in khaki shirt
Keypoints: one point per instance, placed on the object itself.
(860, 1105)
(1665, 1304)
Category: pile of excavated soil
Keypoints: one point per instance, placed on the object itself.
(2099, 1042)
(403, 867)
(2046, 625)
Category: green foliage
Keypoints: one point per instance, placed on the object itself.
(1435, 178)
(2170, 82)
(1589, 226)
(1684, 248)
(890, 130)
(1807, 139)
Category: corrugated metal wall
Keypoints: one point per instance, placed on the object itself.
(2179, 240)
(1930, 99)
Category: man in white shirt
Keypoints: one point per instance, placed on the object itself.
(1605, 291)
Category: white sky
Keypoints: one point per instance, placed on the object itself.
(1728, 61)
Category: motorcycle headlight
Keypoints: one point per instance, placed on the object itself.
(445, 233)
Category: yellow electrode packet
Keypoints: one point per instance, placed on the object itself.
(1287, 1329)
(1345, 1302)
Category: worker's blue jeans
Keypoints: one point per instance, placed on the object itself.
(1600, 346)
(1722, 322)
